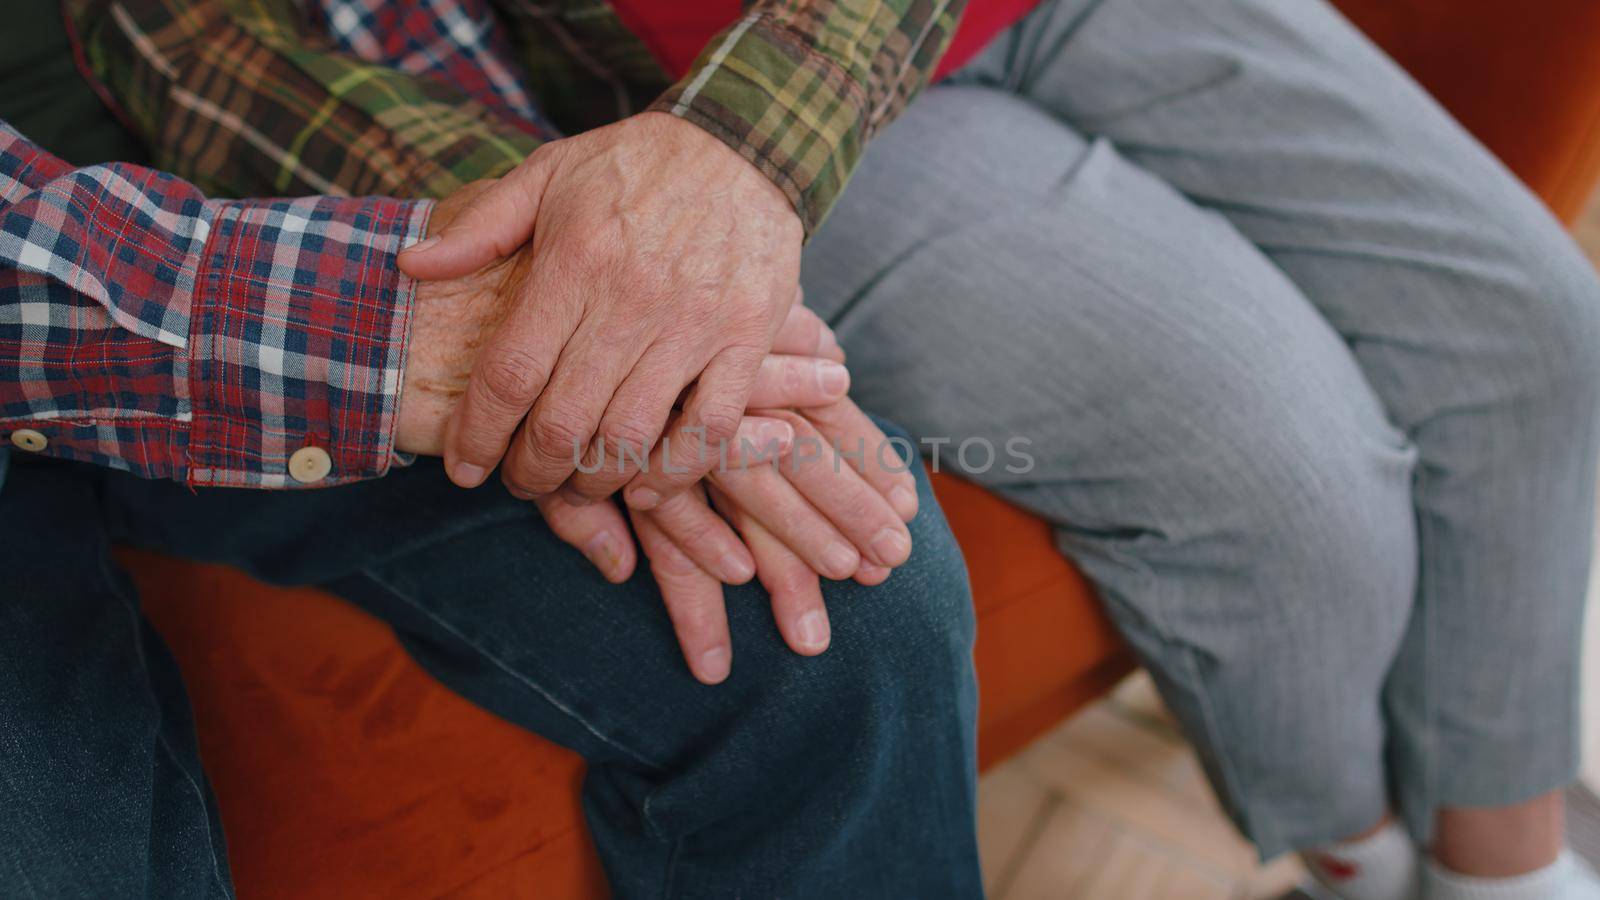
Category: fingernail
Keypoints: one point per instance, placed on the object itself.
(602, 550)
(775, 436)
(520, 493)
(904, 501)
(735, 568)
(840, 560)
(714, 664)
(466, 474)
(812, 630)
(891, 547)
(870, 572)
(644, 498)
(422, 245)
(833, 378)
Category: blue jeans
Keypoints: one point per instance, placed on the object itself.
(851, 774)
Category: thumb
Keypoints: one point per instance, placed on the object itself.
(493, 223)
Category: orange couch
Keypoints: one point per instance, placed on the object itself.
(344, 771)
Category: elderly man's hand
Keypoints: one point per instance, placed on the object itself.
(650, 257)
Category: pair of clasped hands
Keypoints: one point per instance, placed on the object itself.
(635, 282)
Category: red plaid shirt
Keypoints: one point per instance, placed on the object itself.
(145, 327)
(148, 328)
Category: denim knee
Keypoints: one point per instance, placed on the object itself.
(914, 633)
(900, 662)
(893, 697)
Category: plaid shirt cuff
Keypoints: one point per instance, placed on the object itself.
(146, 328)
(800, 93)
(299, 338)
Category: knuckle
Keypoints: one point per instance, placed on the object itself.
(748, 346)
(512, 377)
(672, 564)
(697, 617)
(700, 532)
(631, 435)
(519, 483)
(557, 434)
(801, 523)
(480, 445)
(860, 507)
(792, 580)
(721, 420)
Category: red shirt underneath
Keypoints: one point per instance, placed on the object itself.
(677, 30)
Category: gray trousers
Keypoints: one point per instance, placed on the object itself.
(1311, 383)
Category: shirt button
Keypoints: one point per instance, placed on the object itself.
(309, 465)
(29, 440)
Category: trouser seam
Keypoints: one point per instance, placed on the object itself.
(1154, 620)
(674, 845)
(1430, 730)
(1225, 768)
(516, 675)
(161, 736)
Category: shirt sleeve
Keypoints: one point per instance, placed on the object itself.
(246, 99)
(798, 87)
(147, 328)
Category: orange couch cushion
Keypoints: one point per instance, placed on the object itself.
(1524, 78)
(342, 769)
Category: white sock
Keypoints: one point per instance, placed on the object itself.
(1565, 879)
(1380, 866)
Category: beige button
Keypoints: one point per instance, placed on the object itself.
(310, 464)
(29, 440)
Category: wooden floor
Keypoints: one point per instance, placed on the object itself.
(1112, 804)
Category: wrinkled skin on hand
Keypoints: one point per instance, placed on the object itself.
(652, 258)
(577, 299)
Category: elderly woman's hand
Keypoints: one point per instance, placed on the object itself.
(795, 518)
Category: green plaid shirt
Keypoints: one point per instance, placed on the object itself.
(244, 98)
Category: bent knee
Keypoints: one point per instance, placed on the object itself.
(1310, 501)
(926, 603)
(916, 628)
(1540, 303)
(1563, 329)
